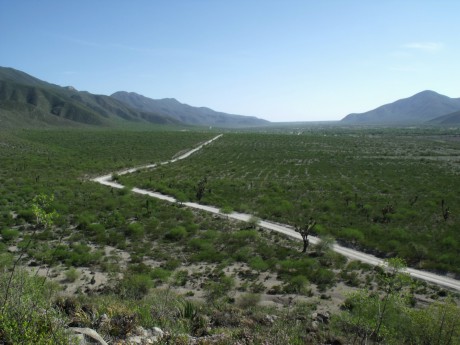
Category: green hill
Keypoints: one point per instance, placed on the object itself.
(26, 101)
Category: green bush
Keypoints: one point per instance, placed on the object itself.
(352, 234)
(176, 234)
(9, 234)
(134, 286)
(248, 300)
(72, 275)
(27, 215)
(218, 289)
(172, 264)
(26, 313)
(258, 264)
(180, 278)
(160, 274)
(242, 254)
(297, 284)
(135, 230)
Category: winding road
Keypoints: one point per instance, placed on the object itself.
(287, 230)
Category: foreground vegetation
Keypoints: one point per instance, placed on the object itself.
(74, 253)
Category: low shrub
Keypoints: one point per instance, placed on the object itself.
(72, 275)
(176, 234)
(26, 313)
(9, 234)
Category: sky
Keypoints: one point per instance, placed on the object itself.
(289, 60)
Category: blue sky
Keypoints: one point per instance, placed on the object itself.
(280, 60)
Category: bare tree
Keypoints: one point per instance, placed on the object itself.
(304, 232)
(445, 210)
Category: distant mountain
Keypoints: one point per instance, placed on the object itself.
(422, 107)
(26, 101)
(185, 113)
(449, 119)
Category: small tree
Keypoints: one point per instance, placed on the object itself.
(445, 210)
(372, 317)
(304, 232)
(201, 188)
(41, 208)
(41, 205)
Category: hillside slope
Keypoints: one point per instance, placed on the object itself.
(421, 107)
(448, 119)
(26, 101)
(186, 113)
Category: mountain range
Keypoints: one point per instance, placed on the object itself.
(184, 112)
(423, 107)
(26, 101)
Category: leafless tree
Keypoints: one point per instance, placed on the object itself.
(305, 231)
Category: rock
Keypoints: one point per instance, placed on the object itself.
(315, 326)
(90, 333)
(270, 319)
(144, 337)
(157, 332)
(135, 339)
(141, 331)
(323, 317)
(102, 322)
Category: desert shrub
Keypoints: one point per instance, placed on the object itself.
(134, 230)
(160, 274)
(72, 275)
(244, 236)
(219, 288)
(176, 234)
(6, 259)
(95, 229)
(116, 238)
(297, 284)
(180, 278)
(323, 277)
(437, 324)
(226, 209)
(172, 264)
(140, 268)
(85, 219)
(6, 218)
(248, 300)
(77, 255)
(209, 254)
(258, 264)
(352, 234)
(27, 215)
(242, 254)
(9, 234)
(134, 286)
(26, 313)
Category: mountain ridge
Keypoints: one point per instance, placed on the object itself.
(26, 101)
(448, 119)
(186, 113)
(419, 108)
